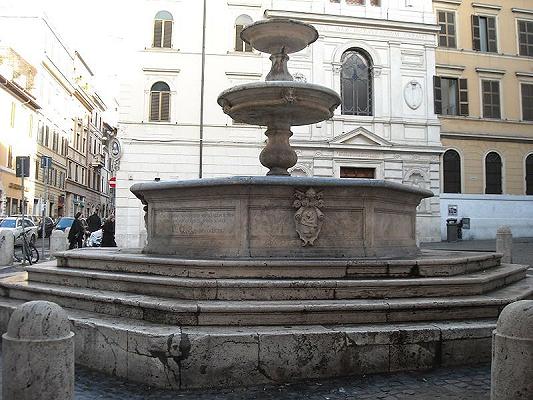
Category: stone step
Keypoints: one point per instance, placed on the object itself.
(280, 289)
(430, 263)
(300, 312)
(188, 357)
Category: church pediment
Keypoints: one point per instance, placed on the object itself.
(360, 137)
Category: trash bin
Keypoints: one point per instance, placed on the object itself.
(452, 229)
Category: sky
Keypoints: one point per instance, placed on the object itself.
(94, 28)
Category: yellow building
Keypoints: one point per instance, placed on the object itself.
(18, 116)
(483, 92)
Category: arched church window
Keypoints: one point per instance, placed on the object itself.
(163, 29)
(356, 83)
(240, 23)
(160, 102)
(452, 172)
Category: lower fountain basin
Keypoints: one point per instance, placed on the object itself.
(279, 103)
(262, 217)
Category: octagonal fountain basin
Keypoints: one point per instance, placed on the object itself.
(281, 103)
(280, 217)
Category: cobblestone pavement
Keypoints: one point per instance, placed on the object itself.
(465, 383)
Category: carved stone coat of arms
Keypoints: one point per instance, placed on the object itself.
(308, 218)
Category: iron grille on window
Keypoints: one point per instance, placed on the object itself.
(452, 172)
(356, 83)
(493, 173)
(491, 99)
(160, 102)
(240, 23)
(525, 38)
(447, 29)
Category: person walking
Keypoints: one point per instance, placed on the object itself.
(76, 233)
(94, 221)
(108, 233)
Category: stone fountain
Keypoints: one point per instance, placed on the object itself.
(254, 280)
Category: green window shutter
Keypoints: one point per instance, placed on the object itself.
(158, 33)
(154, 106)
(491, 35)
(167, 37)
(165, 106)
(463, 97)
(476, 35)
(438, 94)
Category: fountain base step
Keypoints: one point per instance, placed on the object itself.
(177, 357)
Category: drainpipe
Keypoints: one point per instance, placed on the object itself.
(202, 86)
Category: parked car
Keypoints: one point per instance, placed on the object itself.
(15, 223)
(49, 225)
(66, 222)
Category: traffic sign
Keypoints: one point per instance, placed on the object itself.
(113, 182)
(23, 166)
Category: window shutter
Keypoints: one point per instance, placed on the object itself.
(437, 94)
(463, 97)
(491, 35)
(154, 106)
(167, 37)
(476, 33)
(238, 40)
(158, 31)
(165, 106)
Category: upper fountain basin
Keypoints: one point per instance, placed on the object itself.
(276, 35)
(279, 103)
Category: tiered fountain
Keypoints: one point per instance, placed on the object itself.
(252, 280)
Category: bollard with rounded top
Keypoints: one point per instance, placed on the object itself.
(58, 241)
(38, 354)
(504, 243)
(512, 353)
(7, 242)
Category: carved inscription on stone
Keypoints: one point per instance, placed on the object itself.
(308, 218)
(199, 222)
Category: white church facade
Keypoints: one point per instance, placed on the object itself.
(378, 54)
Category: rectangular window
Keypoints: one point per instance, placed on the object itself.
(46, 135)
(447, 29)
(353, 172)
(37, 166)
(484, 34)
(451, 96)
(13, 111)
(525, 38)
(491, 99)
(10, 157)
(527, 102)
(30, 126)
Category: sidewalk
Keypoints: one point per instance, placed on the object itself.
(522, 248)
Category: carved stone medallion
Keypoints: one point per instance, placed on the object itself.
(413, 94)
(308, 218)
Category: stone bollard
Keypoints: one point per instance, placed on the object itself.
(38, 354)
(7, 247)
(512, 353)
(504, 243)
(58, 241)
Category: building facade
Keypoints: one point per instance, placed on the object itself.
(484, 97)
(379, 55)
(65, 124)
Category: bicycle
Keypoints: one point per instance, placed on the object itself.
(27, 251)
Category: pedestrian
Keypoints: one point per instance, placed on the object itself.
(76, 233)
(108, 233)
(94, 221)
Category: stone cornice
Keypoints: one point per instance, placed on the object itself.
(330, 19)
(452, 67)
(487, 6)
(522, 11)
(454, 2)
(493, 71)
